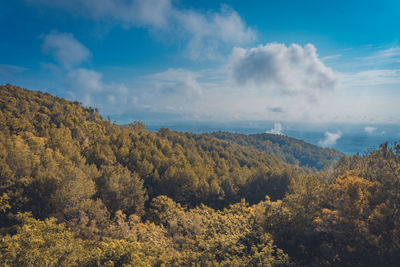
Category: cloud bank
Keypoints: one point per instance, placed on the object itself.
(272, 82)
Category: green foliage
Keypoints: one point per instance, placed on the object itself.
(121, 189)
(41, 243)
(208, 237)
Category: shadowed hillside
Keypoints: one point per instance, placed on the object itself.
(287, 149)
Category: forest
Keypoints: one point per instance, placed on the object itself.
(80, 190)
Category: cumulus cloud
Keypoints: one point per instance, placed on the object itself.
(330, 139)
(291, 69)
(278, 129)
(370, 129)
(205, 32)
(65, 49)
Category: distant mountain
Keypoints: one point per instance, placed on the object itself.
(287, 149)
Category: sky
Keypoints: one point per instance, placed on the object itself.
(311, 61)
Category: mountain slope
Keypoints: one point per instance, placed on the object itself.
(287, 149)
(60, 144)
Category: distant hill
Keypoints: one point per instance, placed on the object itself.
(287, 149)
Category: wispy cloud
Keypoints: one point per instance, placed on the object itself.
(371, 77)
(65, 49)
(331, 57)
(153, 13)
(383, 57)
(205, 33)
(9, 70)
(388, 53)
(330, 139)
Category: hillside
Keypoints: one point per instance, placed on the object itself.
(287, 149)
(190, 168)
(77, 190)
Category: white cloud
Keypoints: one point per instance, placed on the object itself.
(206, 33)
(277, 129)
(65, 49)
(292, 69)
(330, 139)
(370, 129)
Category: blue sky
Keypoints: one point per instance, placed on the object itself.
(280, 61)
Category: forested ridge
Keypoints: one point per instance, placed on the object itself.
(287, 149)
(78, 190)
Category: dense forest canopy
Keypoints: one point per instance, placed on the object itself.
(76, 189)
